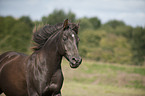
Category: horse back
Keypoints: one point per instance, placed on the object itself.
(11, 57)
(12, 73)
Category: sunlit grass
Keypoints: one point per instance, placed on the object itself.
(99, 79)
(81, 89)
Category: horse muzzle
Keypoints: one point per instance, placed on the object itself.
(75, 62)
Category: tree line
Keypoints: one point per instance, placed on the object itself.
(112, 42)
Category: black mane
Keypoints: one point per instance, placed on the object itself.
(41, 35)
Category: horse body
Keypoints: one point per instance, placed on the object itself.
(12, 74)
(40, 73)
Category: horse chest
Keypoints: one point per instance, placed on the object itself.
(55, 83)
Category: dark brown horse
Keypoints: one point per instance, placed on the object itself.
(40, 73)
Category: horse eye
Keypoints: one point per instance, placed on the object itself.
(65, 38)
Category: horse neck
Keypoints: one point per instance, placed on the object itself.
(50, 56)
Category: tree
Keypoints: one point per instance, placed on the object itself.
(95, 22)
(2, 26)
(85, 24)
(7, 24)
(115, 23)
(58, 16)
(26, 20)
(138, 45)
(15, 34)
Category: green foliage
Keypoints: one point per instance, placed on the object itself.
(90, 40)
(26, 20)
(15, 35)
(134, 40)
(115, 23)
(138, 45)
(57, 16)
(118, 28)
(105, 47)
(85, 24)
(95, 22)
(89, 23)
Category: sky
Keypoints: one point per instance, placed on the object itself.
(132, 12)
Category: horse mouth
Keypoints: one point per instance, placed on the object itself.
(74, 64)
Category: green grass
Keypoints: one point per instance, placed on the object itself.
(98, 79)
(81, 89)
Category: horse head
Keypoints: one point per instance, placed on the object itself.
(69, 42)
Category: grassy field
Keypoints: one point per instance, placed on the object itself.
(98, 79)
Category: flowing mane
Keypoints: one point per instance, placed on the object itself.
(41, 35)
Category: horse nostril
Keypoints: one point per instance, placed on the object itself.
(77, 59)
(74, 58)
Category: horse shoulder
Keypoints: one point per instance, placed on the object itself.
(55, 83)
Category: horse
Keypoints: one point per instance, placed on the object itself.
(40, 74)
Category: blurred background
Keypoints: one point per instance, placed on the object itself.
(112, 41)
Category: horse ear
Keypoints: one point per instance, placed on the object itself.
(65, 24)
